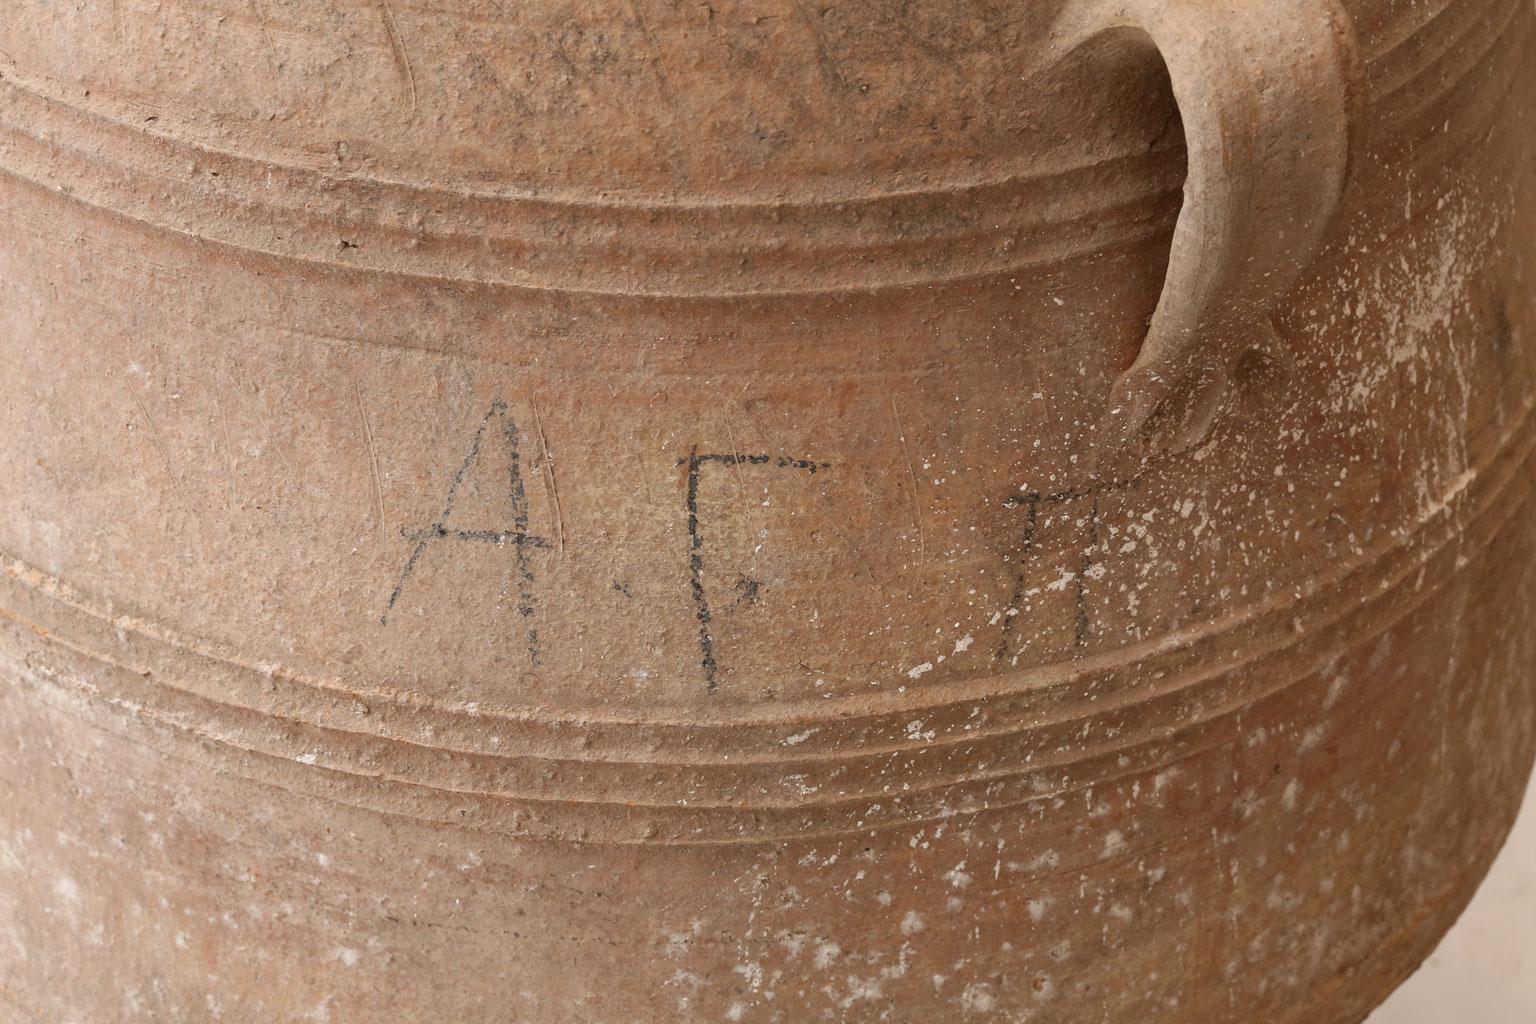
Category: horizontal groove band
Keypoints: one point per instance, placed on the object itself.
(1029, 740)
(676, 249)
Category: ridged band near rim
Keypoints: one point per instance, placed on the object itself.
(665, 249)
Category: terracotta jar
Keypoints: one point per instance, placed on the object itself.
(645, 512)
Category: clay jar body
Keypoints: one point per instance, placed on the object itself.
(574, 514)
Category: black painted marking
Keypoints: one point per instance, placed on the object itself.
(695, 462)
(751, 590)
(1032, 502)
(518, 536)
(438, 532)
(519, 497)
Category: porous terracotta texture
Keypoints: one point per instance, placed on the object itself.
(639, 512)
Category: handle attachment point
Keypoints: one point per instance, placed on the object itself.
(1267, 90)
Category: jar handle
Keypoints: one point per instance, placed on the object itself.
(1268, 91)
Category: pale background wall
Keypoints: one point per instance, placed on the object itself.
(1485, 971)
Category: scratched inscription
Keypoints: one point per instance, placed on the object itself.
(496, 426)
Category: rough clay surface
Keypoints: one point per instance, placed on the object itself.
(565, 513)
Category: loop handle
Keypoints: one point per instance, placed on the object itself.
(1267, 91)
